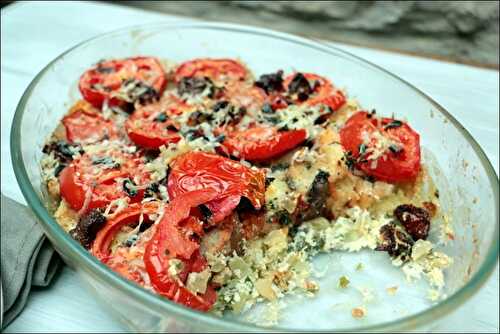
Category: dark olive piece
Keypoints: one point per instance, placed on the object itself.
(87, 227)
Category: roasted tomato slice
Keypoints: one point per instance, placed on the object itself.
(218, 70)
(387, 149)
(173, 288)
(198, 170)
(128, 263)
(128, 216)
(244, 96)
(313, 89)
(261, 143)
(151, 126)
(85, 124)
(169, 243)
(94, 180)
(123, 80)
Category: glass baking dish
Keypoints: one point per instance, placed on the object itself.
(467, 182)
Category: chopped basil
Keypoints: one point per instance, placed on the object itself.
(395, 148)
(291, 184)
(131, 240)
(220, 105)
(394, 124)
(192, 86)
(103, 69)
(272, 119)
(349, 160)
(59, 169)
(161, 117)
(129, 187)
(220, 138)
(271, 205)
(62, 150)
(280, 166)
(362, 149)
(267, 109)
(106, 162)
(136, 90)
(284, 217)
(192, 134)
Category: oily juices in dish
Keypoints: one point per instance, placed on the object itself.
(214, 189)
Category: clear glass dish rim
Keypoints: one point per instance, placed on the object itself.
(164, 306)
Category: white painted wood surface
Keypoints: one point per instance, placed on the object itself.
(35, 33)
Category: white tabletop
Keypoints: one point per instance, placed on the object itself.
(35, 33)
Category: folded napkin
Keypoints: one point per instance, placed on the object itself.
(28, 258)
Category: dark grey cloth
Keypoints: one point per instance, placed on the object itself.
(28, 258)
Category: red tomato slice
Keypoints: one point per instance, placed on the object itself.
(174, 239)
(120, 260)
(85, 124)
(150, 127)
(102, 81)
(120, 263)
(84, 179)
(130, 215)
(242, 95)
(400, 164)
(167, 243)
(322, 91)
(174, 289)
(262, 143)
(217, 70)
(198, 170)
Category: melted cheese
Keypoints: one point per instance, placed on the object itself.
(302, 117)
(425, 261)
(65, 216)
(378, 146)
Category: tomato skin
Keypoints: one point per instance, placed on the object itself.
(262, 143)
(171, 288)
(143, 139)
(110, 74)
(144, 131)
(230, 179)
(391, 167)
(323, 92)
(119, 263)
(71, 190)
(243, 95)
(102, 242)
(78, 177)
(156, 258)
(215, 69)
(85, 124)
(178, 210)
